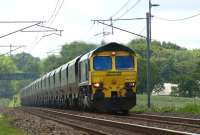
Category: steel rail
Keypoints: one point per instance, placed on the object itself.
(168, 118)
(116, 124)
(193, 123)
(163, 121)
(61, 121)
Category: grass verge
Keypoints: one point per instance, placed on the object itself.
(15, 102)
(168, 104)
(4, 102)
(7, 129)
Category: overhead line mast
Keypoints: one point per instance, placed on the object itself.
(148, 16)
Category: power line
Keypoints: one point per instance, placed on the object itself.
(123, 6)
(12, 45)
(89, 30)
(53, 11)
(22, 22)
(122, 19)
(111, 20)
(122, 29)
(144, 28)
(50, 21)
(56, 14)
(179, 19)
(47, 29)
(133, 6)
(19, 30)
(11, 51)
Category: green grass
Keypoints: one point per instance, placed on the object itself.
(168, 104)
(7, 129)
(15, 102)
(4, 102)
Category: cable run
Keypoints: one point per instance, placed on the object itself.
(122, 7)
(57, 3)
(57, 12)
(50, 21)
(143, 29)
(180, 19)
(122, 29)
(38, 38)
(133, 6)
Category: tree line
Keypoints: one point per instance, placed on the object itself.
(170, 63)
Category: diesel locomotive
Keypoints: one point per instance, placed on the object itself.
(104, 79)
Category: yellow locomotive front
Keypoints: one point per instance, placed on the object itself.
(113, 78)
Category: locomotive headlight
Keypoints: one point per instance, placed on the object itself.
(98, 85)
(130, 84)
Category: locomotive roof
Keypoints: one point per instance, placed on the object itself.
(113, 47)
(108, 47)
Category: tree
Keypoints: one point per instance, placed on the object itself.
(196, 72)
(74, 49)
(168, 71)
(27, 63)
(52, 61)
(6, 87)
(188, 87)
(139, 45)
(170, 45)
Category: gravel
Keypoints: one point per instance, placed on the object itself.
(140, 122)
(34, 125)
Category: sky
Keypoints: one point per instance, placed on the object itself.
(74, 18)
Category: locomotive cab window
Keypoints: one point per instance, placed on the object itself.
(124, 62)
(102, 63)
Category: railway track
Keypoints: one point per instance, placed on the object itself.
(100, 126)
(174, 123)
(189, 122)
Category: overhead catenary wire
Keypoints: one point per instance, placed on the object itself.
(122, 19)
(11, 51)
(56, 14)
(122, 29)
(142, 30)
(50, 21)
(19, 30)
(129, 9)
(39, 38)
(121, 8)
(53, 13)
(179, 19)
(22, 22)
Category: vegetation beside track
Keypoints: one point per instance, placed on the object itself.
(7, 129)
(158, 104)
(168, 104)
(15, 102)
(4, 102)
